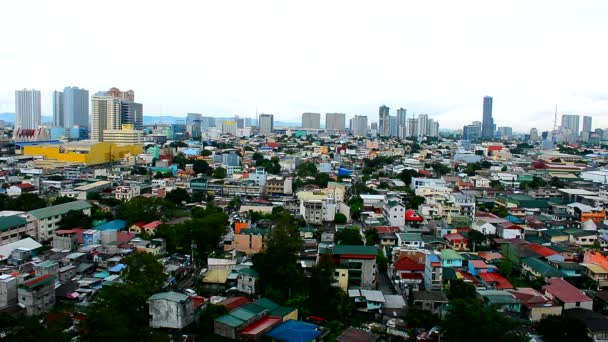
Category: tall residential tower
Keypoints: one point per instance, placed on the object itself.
(487, 124)
(27, 109)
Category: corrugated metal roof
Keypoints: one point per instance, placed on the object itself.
(59, 209)
(10, 222)
(170, 296)
(230, 320)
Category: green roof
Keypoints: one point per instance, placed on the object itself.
(243, 314)
(267, 303)
(410, 236)
(10, 222)
(252, 307)
(230, 320)
(450, 254)
(542, 267)
(249, 271)
(554, 232)
(170, 296)
(352, 249)
(60, 209)
(281, 311)
(255, 231)
(498, 297)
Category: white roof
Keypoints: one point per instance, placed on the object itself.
(4, 213)
(373, 296)
(372, 197)
(580, 192)
(27, 243)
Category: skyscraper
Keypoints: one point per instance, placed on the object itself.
(75, 107)
(472, 132)
(358, 125)
(393, 126)
(401, 122)
(570, 127)
(27, 109)
(266, 124)
(193, 125)
(311, 120)
(384, 121)
(335, 121)
(534, 134)
(433, 128)
(505, 132)
(423, 125)
(487, 126)
(587, 124)
(58, 109)
(412, 127)
(112, 109)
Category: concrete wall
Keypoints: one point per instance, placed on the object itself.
(170, 314)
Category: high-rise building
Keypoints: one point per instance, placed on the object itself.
(193, 125)
(433, 128)
(412, 127)
(587, 127)
(335, 121)
(266, 124)
(58, 109)
(505, 132)
(311, 120)
(240, 122)
(393, 126)
(384, 121)
(570, 127)
(229, 127)
(401, 122)
(534, 134)
(207, 122)
(112, 109)
(27, 109)
(358, 125)
(472, 132)
(487, 126)
(76, 107)
(423, 125)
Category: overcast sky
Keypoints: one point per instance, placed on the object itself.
(284, 57)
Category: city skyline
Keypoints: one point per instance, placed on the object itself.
(309, 72)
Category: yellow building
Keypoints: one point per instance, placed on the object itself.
(128, 135)
(89, 154)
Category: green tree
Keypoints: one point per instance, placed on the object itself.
(340, 218)
(440, 169)
(416, 317)
(126, 303)
(563, 328)
(500, 211)
(219, 173)
(201, 166)
(356, 206)
(476, 239)
(280, 274)
(326, 300)
(26, 202)
(145, 209)
(407, 175)
(75, 219)
(461, 290)
(371, 237)
(505, 268)
(415, 201)
(178, 196)
(206, 153)
(307, 169)
(489, 324)
(205, 321)
(348, 236)
(63, 199)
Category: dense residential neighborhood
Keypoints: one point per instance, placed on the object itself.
(306, 235)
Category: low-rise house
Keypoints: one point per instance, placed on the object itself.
(367, 300)
(457, 241)
(535, 305)
(494, 281)
(433, 272)
(535, 268)
(502, 300)
(408, 274)
(451, 258)
(251, 241)
(476, 267)
(14, 227)
(360, 262)
(170, 310)
(47, 219)
(410, 240)
(247, 280)
(596, 323)
(546, 252)
(432, 301)
(37, 295)
(566, 294)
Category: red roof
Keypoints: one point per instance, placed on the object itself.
(489, 256)
(197, 301)
(387, 229)
(494, 148)
(411, 276)
(25, 186)
(564, 291)
(139, 224)
(411, 215)
(530, 297)
(501, 282)
(37, 280)
(454, 237)
(152, 225)
(124, 237)
(407, 264)
(480, 264)
(235, 302)
(261, 325)
(77, 231)
(542, 250)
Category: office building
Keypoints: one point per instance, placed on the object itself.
(587, 127)
(206, 123)
(384, 121)
(570, 128)
(58, 109)
(423, 125)
(193, 125)
(433, 128)
(266, 124)
(229, 127)
(505, 132)
(75, 107)
(335, 121)
(126, 135)
(112, 109)
(393, 126)
(472, 132)
(27, 109)
(401, 122)
(487, 125)
(358, 125)
(534, 135)
(240, 123)
(412, 127)
(311, 120)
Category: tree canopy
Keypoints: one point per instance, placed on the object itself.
(348, 236)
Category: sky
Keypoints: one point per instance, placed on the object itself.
(224, 58)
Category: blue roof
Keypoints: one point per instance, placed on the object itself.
(118, 268)
(114, 224)
(515, 220)
(295, 331)
(434, 258)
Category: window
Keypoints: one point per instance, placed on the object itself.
(578, 304)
